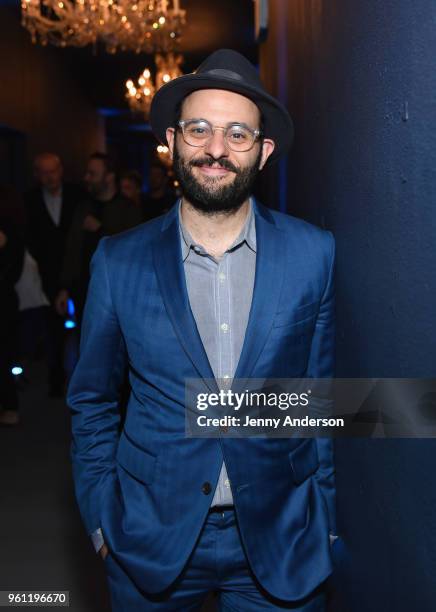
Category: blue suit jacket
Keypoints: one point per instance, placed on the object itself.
(144, 488)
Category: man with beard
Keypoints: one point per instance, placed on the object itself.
(220, 288)
(104, 213)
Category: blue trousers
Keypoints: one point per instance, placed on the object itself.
(217, 564)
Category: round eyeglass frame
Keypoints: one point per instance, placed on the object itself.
(183, 122)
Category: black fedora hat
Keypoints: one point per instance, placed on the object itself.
(229, 70)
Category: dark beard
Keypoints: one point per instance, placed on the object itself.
(226, 199)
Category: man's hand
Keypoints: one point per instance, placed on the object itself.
(3, 240)
(61, 302)
(103, 551)
(91, 224)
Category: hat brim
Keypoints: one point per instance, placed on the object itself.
(277, 122)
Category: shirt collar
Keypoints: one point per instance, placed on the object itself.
(48, 196)
(248, 234)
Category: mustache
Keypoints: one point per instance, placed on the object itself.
(222, 162)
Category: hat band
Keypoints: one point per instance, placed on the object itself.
(225, 73)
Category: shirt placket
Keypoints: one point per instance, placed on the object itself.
(225, 331)
(225, 355)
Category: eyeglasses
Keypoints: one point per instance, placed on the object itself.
(238, 137)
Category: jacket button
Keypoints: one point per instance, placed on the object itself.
(206, 488)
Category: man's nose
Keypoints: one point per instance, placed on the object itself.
(217, 146)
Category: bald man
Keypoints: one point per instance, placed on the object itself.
(50, 208)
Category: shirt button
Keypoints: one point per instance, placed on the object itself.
(206, 488)
(224, 327)
(197, 249)
(222, 276)
(226, 376)
(227, 483)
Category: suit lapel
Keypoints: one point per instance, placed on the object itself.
(270, 261)
(44, 214)
(64, 219)
(167, 257)
(44, 211)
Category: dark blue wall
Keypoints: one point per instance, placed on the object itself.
(361, 86)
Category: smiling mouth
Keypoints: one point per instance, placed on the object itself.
(214, 170)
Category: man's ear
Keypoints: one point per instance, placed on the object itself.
(268, 147)
(170, 134)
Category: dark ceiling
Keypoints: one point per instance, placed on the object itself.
(210, 25)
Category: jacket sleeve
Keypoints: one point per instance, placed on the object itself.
(321, 365)
(93, 394)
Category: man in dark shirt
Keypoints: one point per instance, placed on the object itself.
(103, 213)
(50, 209)
(159, 198)
(131, 187)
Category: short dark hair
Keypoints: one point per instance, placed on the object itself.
(108, 161)
(132, 175)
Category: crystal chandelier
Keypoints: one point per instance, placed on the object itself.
(140, 95)
(143, 26)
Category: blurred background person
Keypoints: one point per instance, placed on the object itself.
(103, 212)
(160, 197)
(131, 188)
(50, 209)
(11, 262)
(36, 324)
